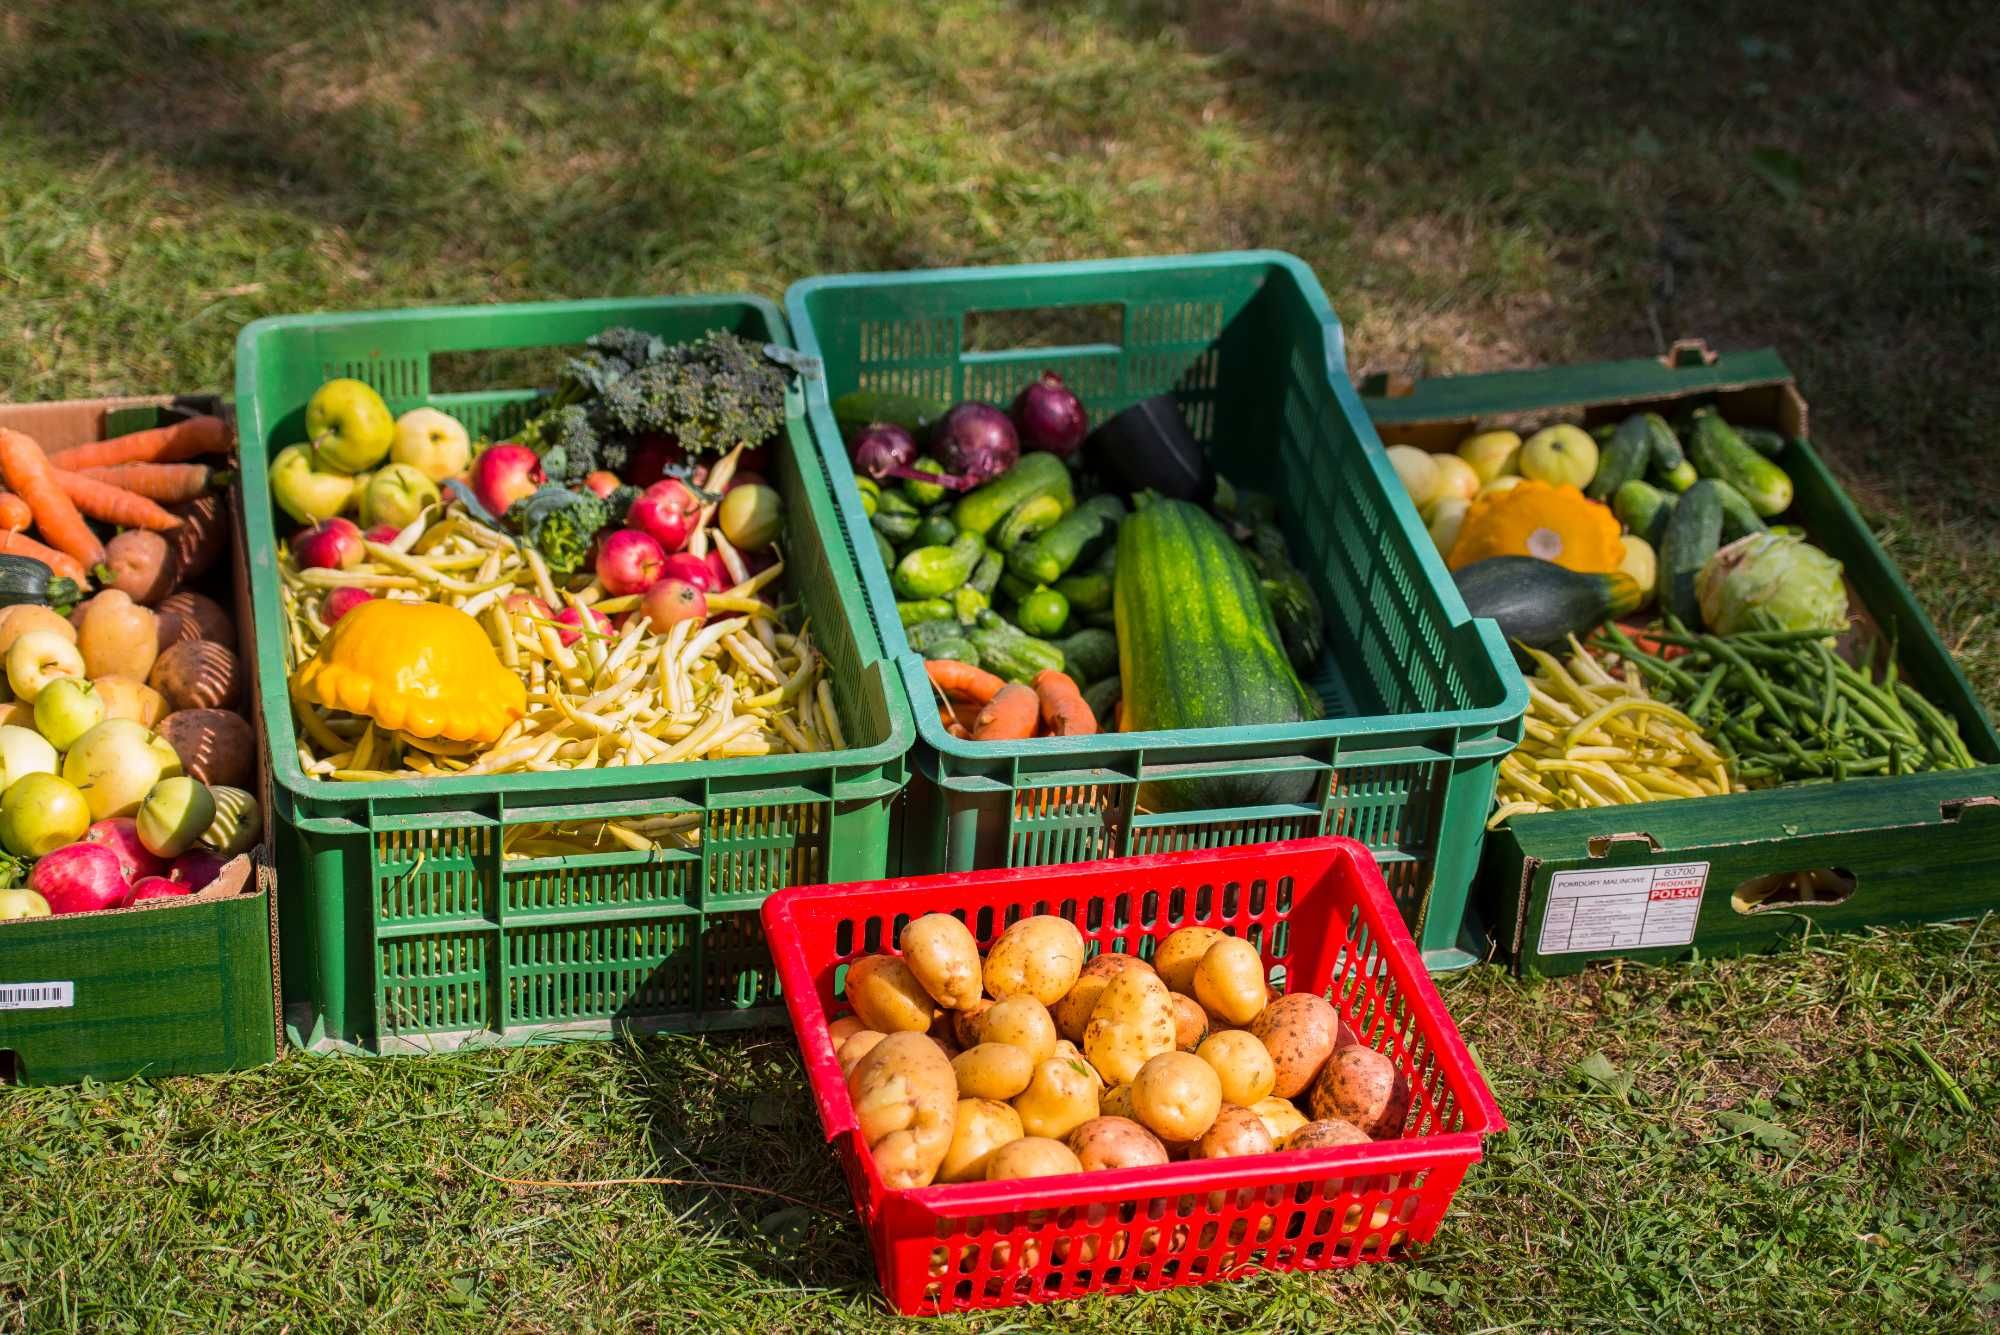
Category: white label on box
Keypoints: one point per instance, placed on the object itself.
(36, 996)
(1623, 908)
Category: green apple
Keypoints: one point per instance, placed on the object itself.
(1491, 453)
(1560, 455)
(23, 751)
(396, 494)
(39, 658)
(116, 764)
(349, 426)
(19, 901)
(1417, 471)
(66, 709)
(435, 443)
(1455, 478)
(353, 506)
(302, 491)
(1446, 516)
(40, 814)
(174, 815)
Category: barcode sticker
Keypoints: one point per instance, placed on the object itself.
(36, 996)
(1622, 908)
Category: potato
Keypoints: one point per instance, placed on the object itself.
(1072, 1012)
(1229, 981)
(856, 1046)
(21, 618)
(1022, 1021)
(905, 1107)
(200, 674)
(942, 954)
(142, 566)
(1235, 1131)
(1060, 1097)
(887, 996)
(1177, 956)
(965, 1024)
(201, 538)
(1030, 1156)
(1326, 1134)
(125, 698)
(1117, 1102)
(1300, 1031)
(1281, 1118)
(846, 1027)
(1360, 1085)
(944, 1033)
(1115, 1142)
(215, 745)
(993, 1071)
(1190, 1023)
(1241, 1063)
(1176, 1096)
(1134, 1020)
(981, 1126)
(192, 616)
(1070, 1052)
(1041, 956)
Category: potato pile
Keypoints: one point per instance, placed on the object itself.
(1034, 1062)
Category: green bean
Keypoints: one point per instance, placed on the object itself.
(1754, 680)
(1706, 694)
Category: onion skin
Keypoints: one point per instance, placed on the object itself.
(977, 442)
(1049, 416)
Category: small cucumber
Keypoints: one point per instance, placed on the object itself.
(915, 611)
(1008, 652)
(1767, 443)
(1089, 655)
(1622, 460)
(1088, 592)
(894, 526)
(1693, 534)
(929, 638)
(1717, 451)
(1049, 557)
(1643, 509)
(1043, 613)
(986, 575)
(932, 572)
(1738, 519)
(871, 494)
(1039, 473)
(935, 531)
(884, 548)
(924, 493)
(1031, 517)
(1664, 444)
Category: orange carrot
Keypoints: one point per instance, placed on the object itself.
(965, 713)
(20, 544)
(26, 472)
(113, 505)
(14, 513)
(1064, 713)
(1008, 716)
(967, 680)
(165, 483)
(177, 443)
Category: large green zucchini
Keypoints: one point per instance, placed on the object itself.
(1197, 649)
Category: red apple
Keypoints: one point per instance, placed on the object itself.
(197, 867)
(672, 600)
(574, 619)
(601, 483)
(651, 460)
(120, 834)
(667, 512)
(629, 561)
(332, 545)
(159, 887)
(527, 605)
(504, 474)
(691, 569)
(81, 878)
(383, 533)
(339, 602)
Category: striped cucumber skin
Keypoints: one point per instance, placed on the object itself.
(1197, 649)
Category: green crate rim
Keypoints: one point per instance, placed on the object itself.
(359, 800)
(1501, 717)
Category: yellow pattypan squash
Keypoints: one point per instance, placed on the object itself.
(1557, 524)
(420, 668)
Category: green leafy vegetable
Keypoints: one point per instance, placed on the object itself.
(708, 395)
(560, 524)
(1771, 581)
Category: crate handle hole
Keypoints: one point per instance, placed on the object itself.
(1600, 845)
(1027, 328)
(1808, 887)
(10, 1067)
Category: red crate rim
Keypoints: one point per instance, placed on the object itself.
(1401, 961)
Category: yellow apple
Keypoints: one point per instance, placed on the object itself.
(432, 441)
(1455, 478)
(1558, 455)
(1418, 471)
(1446, 517)
(1505, 482)
(1491, 453)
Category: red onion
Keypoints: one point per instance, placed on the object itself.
(1050, 417)
(884, 450)
(976, 441)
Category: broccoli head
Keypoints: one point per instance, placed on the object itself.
(571, 446)
(634, 347)
(559, 523)
(708, 395)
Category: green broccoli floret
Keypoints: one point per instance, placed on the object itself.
(708, 395)
(634, 347)
(620, 501)
(571, 445)
(559, 523)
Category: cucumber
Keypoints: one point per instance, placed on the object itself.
(934, 531)
(1665, 446)
(1010, 653)
(1088, 592)
(932, 572)
(1089, 655)
(883, 548)
(1693, 534)
(1767, 443)
(1040, 473)
(1738, 519)
(1024, 521)
(1622, 460)
(986, 575)
(1043, 613)
(924, 493)
(913, 611)
(1049, 556)
(929, 638)
(1102, 696)
(912, 412)
(1539, 603)
(1197, 649)
(1717, 451)
(1643, 509)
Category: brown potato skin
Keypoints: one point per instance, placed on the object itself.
(1325, 1134)
(1040, 955)
(887, 996)
(1243, 1064)
(1190, 1022)
(1300, 1031)
(941, 952)
(198, 674)
(1281, 1118)
(1072, 1012)
(1235, 1131)
(993, 1071)
(905, 1107)
(1115, 1142)
(1229, 981)
(215, 745)
(965, 1024)
(1177, 1096)
(1178, 955)
(980, 1127)
(1360, 1085)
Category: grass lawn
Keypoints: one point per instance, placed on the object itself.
(1805, 1139)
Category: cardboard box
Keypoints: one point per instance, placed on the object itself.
(1726, 875)
(172, 986)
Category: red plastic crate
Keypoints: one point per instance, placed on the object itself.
(1319, 912)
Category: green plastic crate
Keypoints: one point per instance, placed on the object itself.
(1421, 700)
(402, 927)
(1918, 848)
